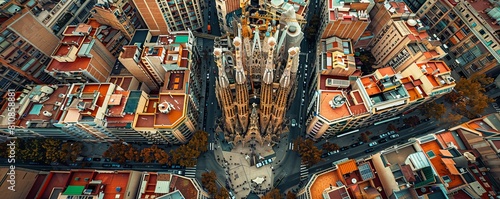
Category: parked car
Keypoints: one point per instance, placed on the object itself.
(332, 152)
(54, 163)
(394, 136)
(89, 159)
(357, 144)
(383, 140)
(369, 150)
(258, 165)
(372, 144)
(324, 155)
(383, 135)
(344, 148)
(391, 132)
(127, 166)
(96, 159)
(107, 160)
(116, 165)
(106, 165)
(73, 164)
(176, 166)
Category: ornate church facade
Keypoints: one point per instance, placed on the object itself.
(257, 75)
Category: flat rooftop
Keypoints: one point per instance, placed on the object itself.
(128, 51)
(325, 109)
(35, 110)
(54, 180)
(153, 118)
(25, 179)
(483, 8)
(323, 182)
(79, 63)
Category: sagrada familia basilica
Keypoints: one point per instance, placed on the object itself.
(257, 75)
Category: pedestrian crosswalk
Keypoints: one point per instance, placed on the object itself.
(290, 146)
(211, 146)
(496, 107)
(304, 172)
(190, 172)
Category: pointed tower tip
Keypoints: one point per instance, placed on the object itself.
(217, 52)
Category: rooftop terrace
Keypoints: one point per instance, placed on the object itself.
(37, 110)
(487, 9)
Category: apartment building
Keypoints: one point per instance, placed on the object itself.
(84, 183)
(56, 15)
(468, 29)
(164, 16)
(86, 53)
(25, 47)
(344, 100)
(120, 15)
(149, 57)
(400, 38)
(438, 164)
(226, 11)
(344, 19)
(346, 179)
(171, 116)
(167, 185)
(121, 112)
(481, 138)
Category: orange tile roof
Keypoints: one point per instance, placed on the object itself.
(445, 153)
(370, 84)
(450, 165)
(386, 71)
(322, 182)
(447, 137)
(439, 167)
(347, 167)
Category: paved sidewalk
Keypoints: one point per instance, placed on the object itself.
(240, 174)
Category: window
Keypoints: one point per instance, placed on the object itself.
(446, 179)
(482, 32)
(431, 154)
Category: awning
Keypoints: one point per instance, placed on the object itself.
(450, 165)
(74, 190)
(258, 180)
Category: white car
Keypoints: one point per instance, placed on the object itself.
(372, 144)
(258, 165)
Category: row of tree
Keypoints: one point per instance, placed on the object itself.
(44, 150)
(309, 153)
(276, 194)
(468, 100)
(208, 181)
(186, 155)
